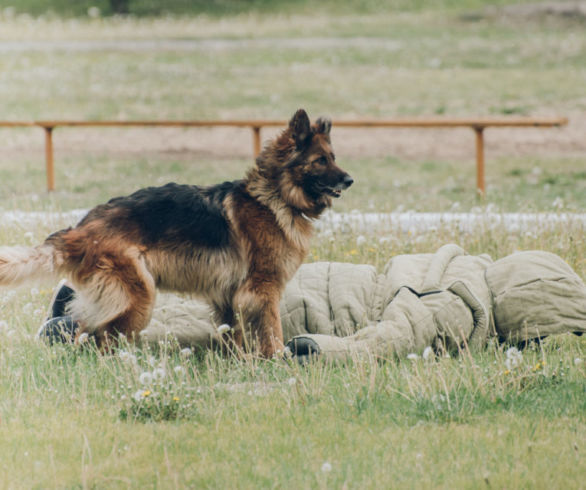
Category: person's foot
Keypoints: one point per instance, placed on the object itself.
(62, 296)
(58, 330)
(303, 349)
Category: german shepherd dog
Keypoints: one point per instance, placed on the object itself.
(235, 244)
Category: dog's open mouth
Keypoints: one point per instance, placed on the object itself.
(335, 190)
(332, 191)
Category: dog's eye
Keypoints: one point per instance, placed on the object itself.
(321, 161)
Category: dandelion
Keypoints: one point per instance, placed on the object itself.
(175, 398)
(126, 356)
(412, 356)
(145, 378)
(360, 240)
(159, 374)
(146, 393)
(326, 467)
(185, 352)
(152, 361)
(224, 328)
(137, 395)
(428, 354)
(291, 381)
(179, 370)
(537, 367)
(514, 357)
(93, 12)
(84, 337)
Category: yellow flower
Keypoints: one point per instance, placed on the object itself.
(175, 398)
(507, 372)
(146, 393)
(538, 366)
(353, 252)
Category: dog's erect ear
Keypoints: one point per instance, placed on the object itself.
(323, 125)
(300, 128)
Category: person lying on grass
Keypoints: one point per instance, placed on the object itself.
(447, 300)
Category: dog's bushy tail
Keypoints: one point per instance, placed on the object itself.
(19, 265)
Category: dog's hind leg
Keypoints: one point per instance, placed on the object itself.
(116, 299)
(258, 303)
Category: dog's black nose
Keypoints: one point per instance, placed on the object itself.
(348, 181)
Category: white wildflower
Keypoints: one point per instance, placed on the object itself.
(93, 12)
(428, 354)
(412, 356)
(159, 374)
(558, 203)
(84, 337)
(29, 237)
(126, 356)
(9, 12)
(224, 328)
(514, 357)
(138, 395)
(360, 240)
(326, 467)
(185, 352)
(291, 381)
(578, 361)
(179, 370)
(145, 378)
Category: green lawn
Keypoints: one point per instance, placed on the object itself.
(68, 419)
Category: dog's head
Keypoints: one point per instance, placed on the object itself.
(301, 162)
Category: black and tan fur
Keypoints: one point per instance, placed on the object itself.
(235, 244)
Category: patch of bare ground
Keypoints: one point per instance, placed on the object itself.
(409, 144)
(569, 10)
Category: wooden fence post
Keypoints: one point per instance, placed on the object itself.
(49, 158)
(480, 184)
(256, 140)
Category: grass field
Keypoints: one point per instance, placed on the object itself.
(68, 419)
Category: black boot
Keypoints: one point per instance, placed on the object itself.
(59, 328)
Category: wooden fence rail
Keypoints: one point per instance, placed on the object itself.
(478, 125)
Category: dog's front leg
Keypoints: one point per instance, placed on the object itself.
(258, 304)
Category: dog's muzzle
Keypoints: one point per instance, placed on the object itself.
(336, 191)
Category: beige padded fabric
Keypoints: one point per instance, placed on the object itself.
(536, 294)
(447, 298)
